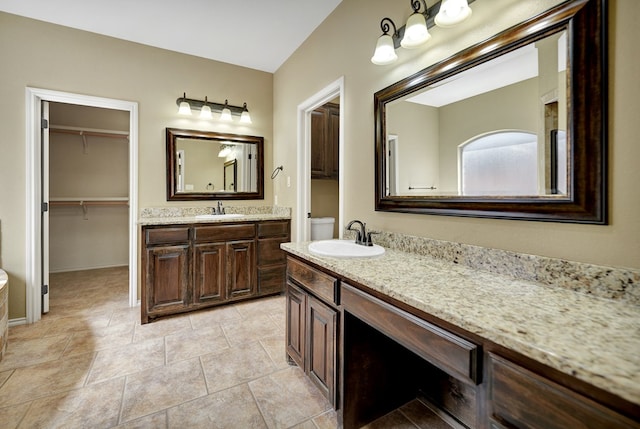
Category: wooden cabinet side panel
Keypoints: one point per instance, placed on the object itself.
(318, 143)
(209, 282)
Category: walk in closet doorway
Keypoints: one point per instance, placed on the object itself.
(82, 190)
(88, 192)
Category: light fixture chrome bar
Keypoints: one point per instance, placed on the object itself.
(215, 107)
(430, 16)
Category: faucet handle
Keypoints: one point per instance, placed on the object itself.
(368, 240)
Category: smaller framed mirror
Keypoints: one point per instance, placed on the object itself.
(205, 165)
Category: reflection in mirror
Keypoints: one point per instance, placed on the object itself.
(513, 127)
(208, 165)
(485, 131)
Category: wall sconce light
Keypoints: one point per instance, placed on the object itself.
(225, 150)
(206, 107)
(444, 13)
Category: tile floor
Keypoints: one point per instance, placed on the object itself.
(89, 363)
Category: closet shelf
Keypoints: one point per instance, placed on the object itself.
(91, 201)
(88, 132)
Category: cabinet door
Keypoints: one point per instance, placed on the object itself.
(319, 130)
(241, 267)
(167, 279)
(333, 142)
(322, 323)
(296, 324)
(209, 281)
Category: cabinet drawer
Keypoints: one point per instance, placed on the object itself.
(166, 235)
(452, 354)
(273, 229)
(523, 399)
(271, 279)
(269, 252)
(322, 285)
(224, 232)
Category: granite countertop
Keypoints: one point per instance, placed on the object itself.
(187, 215)
(597, 340)
(192, 219)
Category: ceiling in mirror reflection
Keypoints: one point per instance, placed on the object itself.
(512, 67)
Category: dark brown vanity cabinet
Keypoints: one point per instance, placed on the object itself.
(520, 398)
(312, 325)
(189, 267)
(325, 138)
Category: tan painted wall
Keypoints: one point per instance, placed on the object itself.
(343, 45)
(48, 56)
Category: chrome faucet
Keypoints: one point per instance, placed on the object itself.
(219, 210)
(361, 234)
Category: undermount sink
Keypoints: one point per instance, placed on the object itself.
(344, 249)
(219, 216)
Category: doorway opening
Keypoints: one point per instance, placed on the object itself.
(323, 192)
(40, 203)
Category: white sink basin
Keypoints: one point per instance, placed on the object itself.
(219, 216)
(344, 249)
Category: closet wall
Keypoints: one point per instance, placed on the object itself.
(88, 187)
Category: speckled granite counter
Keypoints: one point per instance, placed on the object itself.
(187, 215)
(594, 339)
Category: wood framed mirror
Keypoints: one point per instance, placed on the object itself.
(446, 146)
(204, 165)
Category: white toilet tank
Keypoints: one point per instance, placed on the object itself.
(322, 228)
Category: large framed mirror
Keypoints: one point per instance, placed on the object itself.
(513, 127)
(203, 165)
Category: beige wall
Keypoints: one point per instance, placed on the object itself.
(324, 201)
(52, 57)
(343, 45)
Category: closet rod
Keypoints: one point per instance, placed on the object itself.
(89, 132)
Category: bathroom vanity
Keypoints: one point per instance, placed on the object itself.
(484, 350)
(190, 263)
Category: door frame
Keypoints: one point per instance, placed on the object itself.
(328, 93)
(34, 97)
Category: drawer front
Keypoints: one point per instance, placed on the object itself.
(273, 229)
(322, 285)
(454, 355)
(523, 399)
(215, 233)
(166, 235)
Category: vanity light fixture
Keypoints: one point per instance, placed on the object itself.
(226, 110)
(225, 150)
(444, 13)
(225, 115)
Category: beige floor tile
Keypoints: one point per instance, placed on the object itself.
(27, 332)
(251, 329)
(236, 365)
(421, 416)
(153, 390)
(275, 347)
(287, 398)
(262, 306)
(4, 376)
(394, 419)
(228, 409)
(65, 325)
(95, 406)
(214, 316)
(119, 361)
(125, 315)
(162, 327)
(11, 416)
(193, 343)
(33, 351)
(305, 425)
(99, 339)
(47, 378)
(327, 420)
(154, 421)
